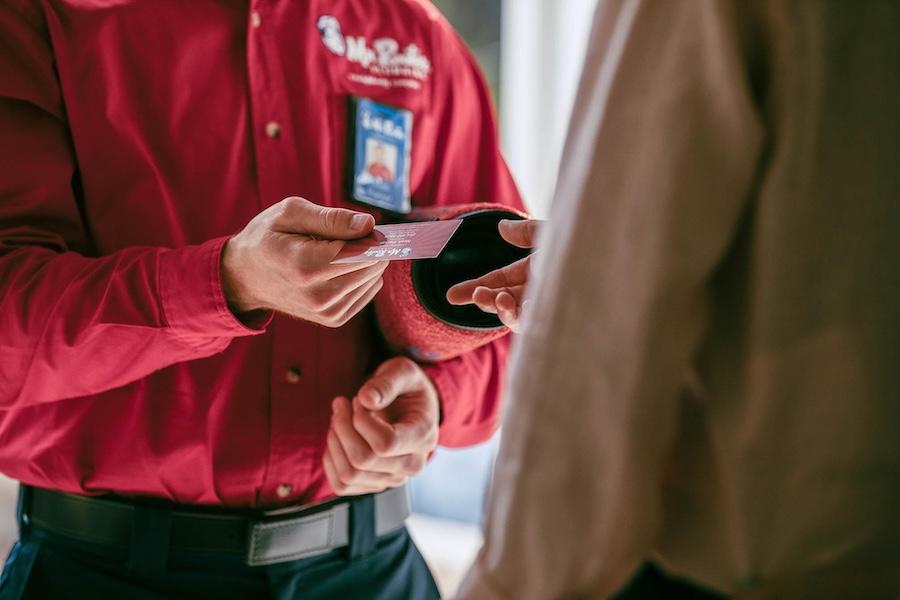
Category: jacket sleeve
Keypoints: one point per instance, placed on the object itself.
(468, 167)
(72, 324)
(659, 172)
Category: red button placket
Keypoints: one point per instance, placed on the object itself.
(274, 145)
(292, 377)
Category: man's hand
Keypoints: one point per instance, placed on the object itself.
(282, 261)
(386, 433)
(500, 292)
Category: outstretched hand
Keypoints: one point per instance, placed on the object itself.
(282, 261)
(501, 292)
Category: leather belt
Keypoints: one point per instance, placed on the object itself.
(260, 538)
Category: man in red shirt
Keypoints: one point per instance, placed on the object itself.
(164, 382)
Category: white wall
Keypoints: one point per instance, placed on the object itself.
(543, 45)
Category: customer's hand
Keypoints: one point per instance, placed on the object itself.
(282, 261)
(386, 433)
(500, 292)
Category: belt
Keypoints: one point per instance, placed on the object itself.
(260, 538)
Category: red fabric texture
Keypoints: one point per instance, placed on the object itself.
(135, 137)
(407, 326)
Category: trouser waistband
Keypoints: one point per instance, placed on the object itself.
(142, 531)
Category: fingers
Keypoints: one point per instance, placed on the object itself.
(352, 466)
(410, 435)
(504, 302)
(392, 379)
(335, 301)
(519, 233)
(357, 307)
(350, 449)
(282, 260)
(370, 450)
(508, 309)
(377, 434)
(312, 259)
(345, 268)
(346, 481)
(300, 216)
(340, 308)
(509, 276)
(349, 305)
(356, 449)
(349, 279)
(461, 293)
(343, 489)
(487, 298)
(344, 290)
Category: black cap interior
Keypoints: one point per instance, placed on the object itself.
(474, 250)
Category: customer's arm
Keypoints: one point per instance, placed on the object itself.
(657, 174)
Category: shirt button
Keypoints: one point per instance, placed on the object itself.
(273, 130)
(293, 375)
(255, 19)
(284, 490)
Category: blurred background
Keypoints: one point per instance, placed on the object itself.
(531, 52)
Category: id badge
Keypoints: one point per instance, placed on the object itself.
(382, 144)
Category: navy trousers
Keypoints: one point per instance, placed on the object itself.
(43, 565)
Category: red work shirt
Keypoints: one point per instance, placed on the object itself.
(134, 138)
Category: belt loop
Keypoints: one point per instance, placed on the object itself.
(23, 517)
(150, 533)
(362, 527)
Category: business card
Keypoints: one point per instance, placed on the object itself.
(402, 241)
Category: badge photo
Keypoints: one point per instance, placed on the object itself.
(382, 144)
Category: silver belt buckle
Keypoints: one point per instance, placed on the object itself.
(284, 538)
(289, 539)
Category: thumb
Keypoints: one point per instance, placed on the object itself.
(391, 380)
(302, 216)
(519, 233)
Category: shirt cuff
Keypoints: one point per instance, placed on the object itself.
(457, 429)
(193, 301)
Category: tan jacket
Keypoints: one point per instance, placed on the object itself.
(710, 375)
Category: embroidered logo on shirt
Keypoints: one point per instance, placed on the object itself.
(388, 64)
